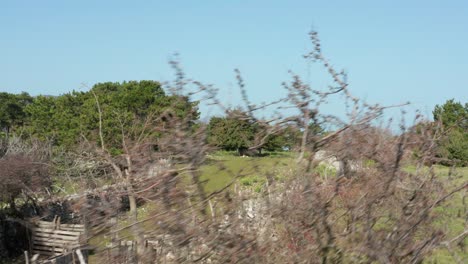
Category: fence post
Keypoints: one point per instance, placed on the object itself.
(26, 257)
(34, 259)
(80, 256)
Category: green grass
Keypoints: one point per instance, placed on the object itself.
(222, 168)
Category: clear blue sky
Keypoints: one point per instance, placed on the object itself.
(394, 52)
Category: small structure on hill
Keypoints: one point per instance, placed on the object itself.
(54, 239)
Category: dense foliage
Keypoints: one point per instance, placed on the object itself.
(12, 111)
(75, 117)
(238, 131)
(454, 118)
(233, 132)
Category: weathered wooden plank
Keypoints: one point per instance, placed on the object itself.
(56, 244)
(72, 229)
(65, 240)
(52, 238)
(50, 224)
(48, 229)
(44, 223)
(45, 252)
(47, 248)
(45, 234)
(51, 249)
(53, 224)
(56, 237)
(51, 235)
(72, 225)
(60, 240)
(56, 231)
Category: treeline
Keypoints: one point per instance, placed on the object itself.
(105, 110)
(110, 110)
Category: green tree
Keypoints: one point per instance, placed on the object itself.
(70, 118)
(452, 114)
(125, 106)
(234, 132)
(455, 147)
(454, 118)
(57, 118)
(285, 139)
(12, 111)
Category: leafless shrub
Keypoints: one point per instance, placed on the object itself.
(377, 213)
(16, 145)
(21, 175)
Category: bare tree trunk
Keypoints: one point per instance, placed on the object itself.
(133, 203)
(131, 197)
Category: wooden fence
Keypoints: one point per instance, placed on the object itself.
(54, 238)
